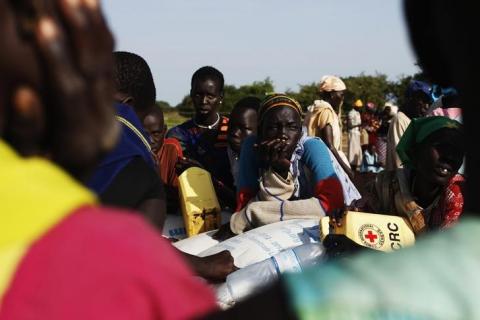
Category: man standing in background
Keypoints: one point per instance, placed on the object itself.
(354, 122)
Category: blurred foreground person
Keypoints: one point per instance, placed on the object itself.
(127, 176)
(436, 279)
(61, 255)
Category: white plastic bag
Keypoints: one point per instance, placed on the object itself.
(247, 281)
(197, 244)
(263, 242)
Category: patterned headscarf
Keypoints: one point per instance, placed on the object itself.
(278, 100)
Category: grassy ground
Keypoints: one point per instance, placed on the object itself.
(172, 118)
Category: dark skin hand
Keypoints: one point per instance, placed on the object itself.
(327, 137)
(214, 268)
(74, 45)
(274, 152)
(223, 233)
(185, 163)
(279, 134)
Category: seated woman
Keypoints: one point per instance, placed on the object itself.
(428, 190)
(283, 173)
(204, 137)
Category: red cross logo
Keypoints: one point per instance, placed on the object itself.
(370, 236)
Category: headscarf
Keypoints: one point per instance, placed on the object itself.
(358, 103)
(370, 106)
(393, 108)
(419, 86)
(331, 83)
(416, 133)
(278, 100)
(389, 104)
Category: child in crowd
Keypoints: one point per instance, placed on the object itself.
(370, 161)
(243, 123)
(167, 152)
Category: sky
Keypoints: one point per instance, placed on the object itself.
(291, 41)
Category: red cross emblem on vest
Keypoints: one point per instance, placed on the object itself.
(371, 236)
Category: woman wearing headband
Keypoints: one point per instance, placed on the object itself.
(283, 173)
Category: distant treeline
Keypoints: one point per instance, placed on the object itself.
(369, 88)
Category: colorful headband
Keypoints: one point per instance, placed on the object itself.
(278, 100)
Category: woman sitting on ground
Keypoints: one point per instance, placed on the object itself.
(428, 190)
(283, 173)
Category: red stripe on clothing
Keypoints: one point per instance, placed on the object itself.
(329, 192)
(176, 143)
(243, 197)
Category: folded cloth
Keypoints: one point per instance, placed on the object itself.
(272, 205)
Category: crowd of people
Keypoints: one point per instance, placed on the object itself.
(90, 174)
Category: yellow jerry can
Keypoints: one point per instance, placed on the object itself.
(374, 231)
(198, 201)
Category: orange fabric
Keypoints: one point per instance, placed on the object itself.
(167, 159)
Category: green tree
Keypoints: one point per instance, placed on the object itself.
(164, 105)
(306, 94)
(398, 89)
(185, 108)
(368, 88)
